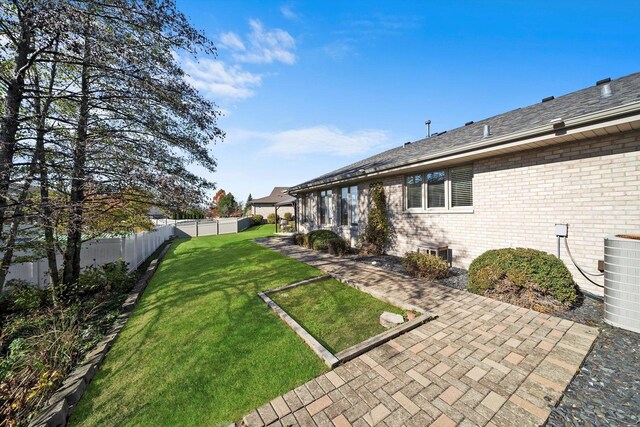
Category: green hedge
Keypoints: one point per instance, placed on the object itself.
(318, 240)
(338, 246)
(425, 265)
(299, 239)
(523, 267)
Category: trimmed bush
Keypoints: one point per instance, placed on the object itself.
(318, 239)
(338, 246)
(299, 239)
(257, 219)
(523, 268)
(271, 218)
(425, 265)
(288, 216)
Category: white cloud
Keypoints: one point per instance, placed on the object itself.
(231, 40)
(337, 50)
(215, 78)
(262, 47)
(327, 140)
(287, 12)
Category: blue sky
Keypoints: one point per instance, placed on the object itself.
(307, 87)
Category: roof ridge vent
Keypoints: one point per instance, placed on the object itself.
(469, 123)
(406, 143)
(487, 131)
(603, 81)
(548, 98)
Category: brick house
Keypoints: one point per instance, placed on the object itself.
(502, 182)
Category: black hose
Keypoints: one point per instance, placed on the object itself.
(584, 273)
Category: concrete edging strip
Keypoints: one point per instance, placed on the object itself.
(376, 340)
(60, 406)
(313, 343)
(352, 352)
(295, 285)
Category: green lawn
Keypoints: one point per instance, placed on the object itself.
(337, 315)
(201, 348)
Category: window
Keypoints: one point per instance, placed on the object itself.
(353, 205)
(440, 189)
(435, 189)
(414, 191)
(461, 186)
(326, 207)
(305, 213)
(348, 205)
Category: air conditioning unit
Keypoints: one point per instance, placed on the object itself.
(622, 281)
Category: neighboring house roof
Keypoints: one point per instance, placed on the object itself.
(278, 195)
(623, 91)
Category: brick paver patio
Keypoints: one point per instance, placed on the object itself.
(481, 362)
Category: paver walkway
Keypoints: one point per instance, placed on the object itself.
(481, 362)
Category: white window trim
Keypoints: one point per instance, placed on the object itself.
(330, 214)
(350, 224)
(406, 199)
(447, 209)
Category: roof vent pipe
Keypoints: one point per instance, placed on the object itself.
(428, 123)
(605, 90)
(487, 131)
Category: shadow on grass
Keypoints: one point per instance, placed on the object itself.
(201, 348)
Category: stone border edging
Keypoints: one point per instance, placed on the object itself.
(328, 358)
(333, 360)
(376, 340)
(61, 404)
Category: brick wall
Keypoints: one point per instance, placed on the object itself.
(593, 185)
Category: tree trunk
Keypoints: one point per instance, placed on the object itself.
(12, 102)
(71, 271)
(46, 212)
(10, 240)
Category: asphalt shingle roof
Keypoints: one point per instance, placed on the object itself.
(624, 90)
(277, 195)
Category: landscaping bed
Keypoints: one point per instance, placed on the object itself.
(334, 313)
(606, 391)
(43, 338)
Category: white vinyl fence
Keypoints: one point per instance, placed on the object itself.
(211, 227)
(132, 249)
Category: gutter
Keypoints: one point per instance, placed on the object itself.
(522, 138)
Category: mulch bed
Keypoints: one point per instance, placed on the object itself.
(606, 391)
